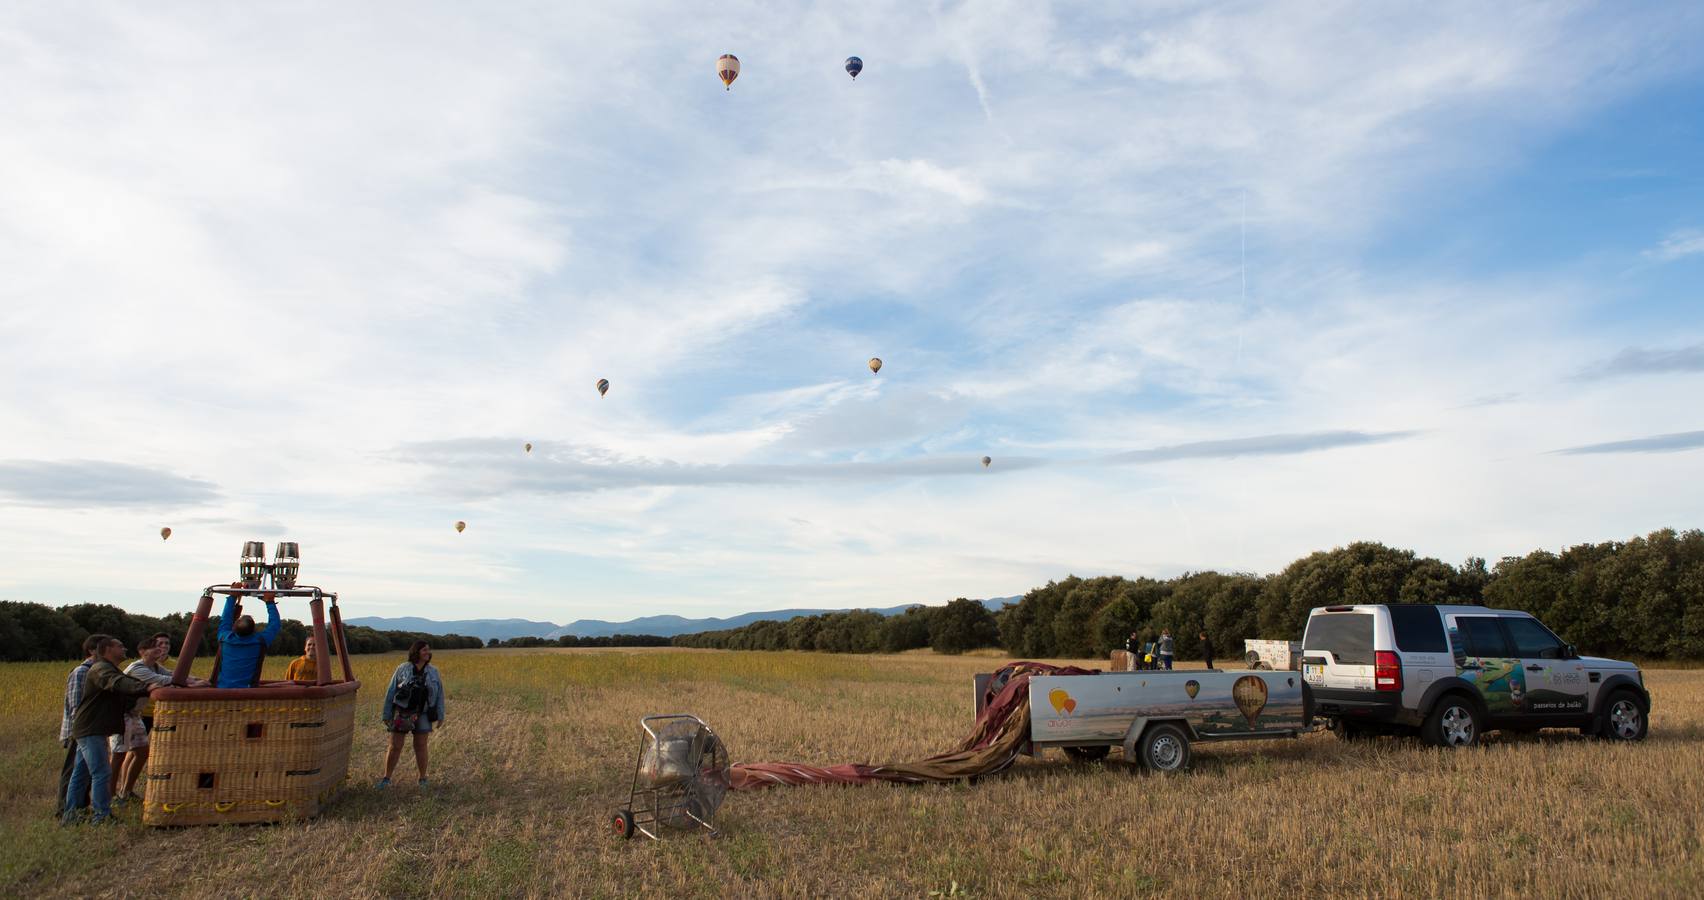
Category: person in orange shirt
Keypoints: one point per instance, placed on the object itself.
(302, 669)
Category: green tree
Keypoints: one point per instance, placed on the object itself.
(962, 625)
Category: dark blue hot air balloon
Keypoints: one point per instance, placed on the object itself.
(854, 65)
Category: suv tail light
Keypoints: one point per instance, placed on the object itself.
(1387, 671)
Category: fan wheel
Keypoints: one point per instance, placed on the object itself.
(622, 823)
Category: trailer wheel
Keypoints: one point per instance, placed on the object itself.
(622, 823)
(1164, 748)
(1087, 754)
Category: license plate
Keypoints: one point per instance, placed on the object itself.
(1313, 673)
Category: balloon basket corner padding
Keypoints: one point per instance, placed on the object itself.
(274, 752)
(678, 782)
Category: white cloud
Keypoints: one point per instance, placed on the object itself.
(1678, 245)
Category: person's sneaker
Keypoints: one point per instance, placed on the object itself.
(120, 799)
(422, 782)
(383, 783)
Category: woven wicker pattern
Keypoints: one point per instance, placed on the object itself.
(219, 761)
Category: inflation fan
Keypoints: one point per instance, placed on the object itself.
(679, 781)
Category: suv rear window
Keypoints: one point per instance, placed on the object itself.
(1419, 629)
(1348, 637)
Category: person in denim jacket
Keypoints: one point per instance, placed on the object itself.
(414, 704)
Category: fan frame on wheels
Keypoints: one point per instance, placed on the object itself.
(680, 802)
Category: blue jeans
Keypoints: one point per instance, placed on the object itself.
(1167, 661)
(93, 773)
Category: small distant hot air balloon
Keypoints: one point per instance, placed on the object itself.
(603, 386)
(165, 533)
(1250, 694)
(461, 527)
(875, 364)
(727, 69)
(987, 461)
(854, 65)
(1192, 687)
(528, 446)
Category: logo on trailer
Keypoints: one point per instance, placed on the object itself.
(1063, 705)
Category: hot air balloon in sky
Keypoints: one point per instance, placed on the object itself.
(854, 65)
(1192, 687)
(727, 69)
(1250, 694)
(603, 386)
(987, 461)
(461, 527)
(528, 447)
(165, 533)
(875, 364)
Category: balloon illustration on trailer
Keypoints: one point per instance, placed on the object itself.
(1249, 692)
(1192, 687)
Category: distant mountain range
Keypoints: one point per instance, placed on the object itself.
(663, 626)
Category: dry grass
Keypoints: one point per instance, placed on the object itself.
(540, 746)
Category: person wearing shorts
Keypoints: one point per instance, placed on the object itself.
(414, 704)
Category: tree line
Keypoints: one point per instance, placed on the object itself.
(37, 632)
(1642, 598)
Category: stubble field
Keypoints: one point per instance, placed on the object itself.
(540, 745)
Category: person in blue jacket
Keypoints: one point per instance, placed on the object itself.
(240, 649)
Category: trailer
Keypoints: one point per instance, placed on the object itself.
(1155, 716)
(1274, 655)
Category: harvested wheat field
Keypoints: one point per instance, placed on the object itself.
(539, 746)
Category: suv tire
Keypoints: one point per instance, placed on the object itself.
(1623, 718)
(1453, 723)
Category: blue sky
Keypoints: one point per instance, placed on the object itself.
(1214, 285)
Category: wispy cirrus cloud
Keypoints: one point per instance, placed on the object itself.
(1677, 245)
(1643, 361)
(1657, 443)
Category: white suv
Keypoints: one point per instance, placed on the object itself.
(1453, 672)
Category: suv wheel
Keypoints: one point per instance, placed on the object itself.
(1623, 718)
(1453, 723)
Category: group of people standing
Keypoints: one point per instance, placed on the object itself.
(108, 717)
(1158, 653)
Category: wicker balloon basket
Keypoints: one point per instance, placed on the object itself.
(266, 754)
(270, 753)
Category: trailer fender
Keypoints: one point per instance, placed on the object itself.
(1141, 724)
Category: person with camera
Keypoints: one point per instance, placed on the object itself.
(414, 704)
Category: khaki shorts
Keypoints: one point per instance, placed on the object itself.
(133, 736)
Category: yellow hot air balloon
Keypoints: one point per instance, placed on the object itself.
(460, 527)
(603, 386)
(875, 364)
(987, 461)
(528, 446)
(1192, 687)
(1250, 694)
(727, 69)
(165, 533)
